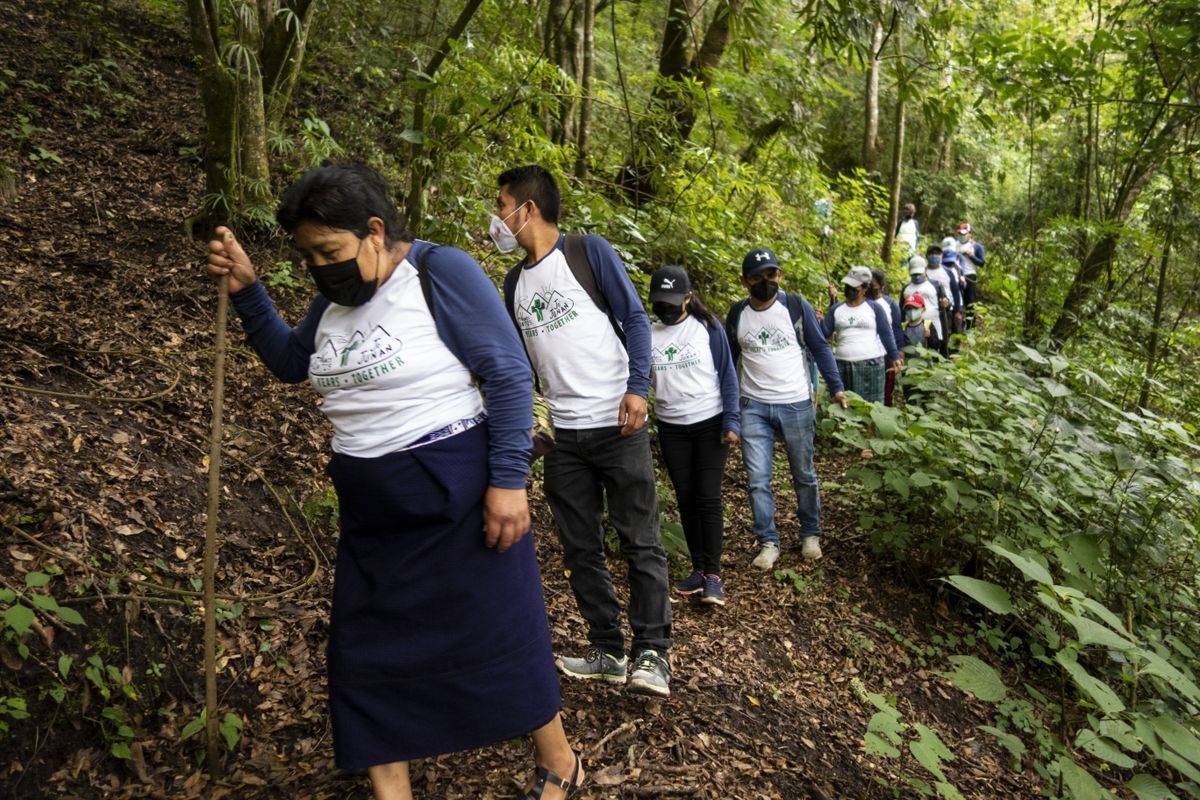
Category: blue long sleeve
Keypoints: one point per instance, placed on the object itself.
(828, 323)
(818, 346)
(718, 344)
(473, 323)
(955, 290)
(626, 308)
(977, 254)
(897, 322)
(884, 331)
(283, 349)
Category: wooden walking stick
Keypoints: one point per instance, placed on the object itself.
(210, 532)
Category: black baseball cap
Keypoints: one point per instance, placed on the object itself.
(760, 259)
(669, 284)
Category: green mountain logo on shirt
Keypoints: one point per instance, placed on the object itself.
(674, 356)
(356, 359)
(544, 311)
(768, 339)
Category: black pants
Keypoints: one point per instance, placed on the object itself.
(695, 457)
(969, 294)
(586, 467)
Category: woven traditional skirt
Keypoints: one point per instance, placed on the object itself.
(437, 643)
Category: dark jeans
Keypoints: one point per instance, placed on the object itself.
(969, 294)
(695, 457)
(584, 468)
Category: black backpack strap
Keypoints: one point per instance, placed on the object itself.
(731, 322)
(510, 290)
(581, 267)
(423, 277)
(795, 304)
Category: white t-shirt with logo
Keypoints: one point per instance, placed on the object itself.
(773, 366)
(386, 376)
(581, 365)
(857, 338)
(687, 388)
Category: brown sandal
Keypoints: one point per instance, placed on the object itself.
(545, 776)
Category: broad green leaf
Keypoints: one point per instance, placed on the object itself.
(1095, 690)
(43, 601)
(1090, 632)
(876, 745)
(974, 676)
(1101, 612)
(7, 595)
(193, 727)
(1011, 743)
(1029, 568)
(1147, 787)
(994, 598)
(1033, 355)
(1182, 764)
(68, 615)
(1177, 737)
(930, 751)
(1086, 552)
(121, 750)
(1119, 732)
(19, 618)
(35, 579)
(869, 478)
(64, 665)
(1160, 667)
(920, 479)
(1103, 749)
(1082, 785)
(887, 421)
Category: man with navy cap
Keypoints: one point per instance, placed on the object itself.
(774, 337)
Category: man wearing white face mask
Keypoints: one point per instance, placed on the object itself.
(588, 338)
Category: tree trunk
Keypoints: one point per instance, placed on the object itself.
(253, 167)
(419, 161)
(870, 148)
(889, 236)
(585, 107)
(218, 93)
(282, 55)
(1159, 302)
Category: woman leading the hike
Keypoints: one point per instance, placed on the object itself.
(438, 640)
(696, 405)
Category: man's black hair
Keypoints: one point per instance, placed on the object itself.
(343, 197)
(534, 183)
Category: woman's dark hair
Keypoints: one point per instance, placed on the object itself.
(533, 183)
(880, 277)
(697, 309)
(343, 197)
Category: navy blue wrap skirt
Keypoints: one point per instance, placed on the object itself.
(437, 643)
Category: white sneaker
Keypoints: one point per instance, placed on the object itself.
(811, 549)
(767, 556)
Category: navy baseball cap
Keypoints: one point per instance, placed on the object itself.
(760, 259)
(669, 284)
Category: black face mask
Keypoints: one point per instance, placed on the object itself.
(764, 290)
(852, 292)
(874, 294)
(667, 313)
(342, 283)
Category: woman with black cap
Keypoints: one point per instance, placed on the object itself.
(696, 405)
(438, 639)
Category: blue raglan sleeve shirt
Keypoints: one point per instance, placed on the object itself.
(977, 254)
(626, 308)
(884, 331)
(818, 346)
(472, 321)
(828, 323)
(955, 290)
(283, 349)
(718, 343)
(897, 322)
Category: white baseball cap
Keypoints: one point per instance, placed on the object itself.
(917, 265)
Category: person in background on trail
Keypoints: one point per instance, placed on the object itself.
(917, 334)
(438, 640)
(588, 338)
(919, 285)
(878, 294)
(947, 292)
(772, 334)
(696, 405)
(950, 265)
(865, 346)
(970, 258)
(908, 234)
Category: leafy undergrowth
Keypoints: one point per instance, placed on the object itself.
(102, 504)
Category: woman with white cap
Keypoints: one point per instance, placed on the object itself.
(862, 337)
(696, 405)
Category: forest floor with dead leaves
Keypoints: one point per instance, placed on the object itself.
(104, 299)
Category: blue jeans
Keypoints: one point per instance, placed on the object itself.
(795, 422)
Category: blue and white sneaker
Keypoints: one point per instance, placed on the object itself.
(651, 675)
(691, 584)
(714, 591)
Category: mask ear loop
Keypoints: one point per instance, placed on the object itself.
(527, 218)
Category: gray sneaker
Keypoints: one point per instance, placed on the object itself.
(651, 675)
(595, 665)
